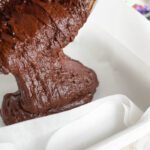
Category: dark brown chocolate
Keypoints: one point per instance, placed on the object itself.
(32, 35)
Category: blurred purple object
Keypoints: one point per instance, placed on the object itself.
(142, 9)
(147, 8)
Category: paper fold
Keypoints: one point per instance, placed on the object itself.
(109, 117)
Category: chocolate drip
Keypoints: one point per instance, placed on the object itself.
(32, 35)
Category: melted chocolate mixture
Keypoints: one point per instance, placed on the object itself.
(32, 35)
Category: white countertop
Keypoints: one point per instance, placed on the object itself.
(141, 144)
(132, 2)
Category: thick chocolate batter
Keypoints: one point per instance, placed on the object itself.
(32, 35)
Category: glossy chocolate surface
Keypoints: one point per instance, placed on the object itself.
(32, 35)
